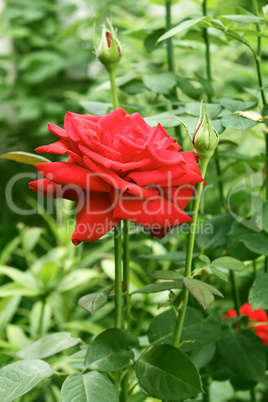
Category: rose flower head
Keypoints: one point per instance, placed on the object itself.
(255, 316)
(118, 167)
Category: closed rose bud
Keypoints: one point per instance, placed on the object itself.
(205, 138)
(109, 51)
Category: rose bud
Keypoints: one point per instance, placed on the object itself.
(109, 51)
(205, 138)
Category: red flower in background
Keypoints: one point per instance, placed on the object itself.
(118, 167)
(255, 316)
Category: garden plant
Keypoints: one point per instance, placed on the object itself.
(134, 242)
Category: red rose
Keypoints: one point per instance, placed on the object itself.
(255, 316)
(118, 167)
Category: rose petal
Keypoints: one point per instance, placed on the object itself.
(95, 218)
(54, 190)
(59, 147)
(154, 213)
(162, 174)
(117, 182)
(70, 173)
(180, 195)
(58, 131)
(110, 164)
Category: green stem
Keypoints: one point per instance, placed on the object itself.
(219, 176)
(235, 292)
(170, 53)
(171, 62)
(113, 89)
(126, 273)
(209, 78)
(189, 254)
(127, 316)
(208, 58)
(118, 276)
(117, 233)
(264, 102)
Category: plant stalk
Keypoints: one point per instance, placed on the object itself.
(189, 254)
(171, 62)
(113, 89)
(117, 234)
(257, 57)
(118, 276)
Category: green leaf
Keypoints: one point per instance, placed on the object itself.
(76, 278)
(204, 258)
(244, 353)
(24, 278)
(165, 372)
(262, 219)
(229, 263)
(242, 19)
(258, 295)
(24, 157)
(90, 387)
(234, 105)
(159, 287)
(237, 122)
(185, 86)
(256, 242)
(93, 301)
(183, 26)
(235, 246)
(110, 351)
(218, 273)
(150, 41)
(161, 83)
(197, 331)
(202, 356)
(8, 308)
(212, 232)
(201, 291)
(166, 119)
(49, 345)
(167, 275)
(97, 108)
(175, 256)
(48, 272)
(200, 334)
(31, 238)
(18, 378)
(213, 109)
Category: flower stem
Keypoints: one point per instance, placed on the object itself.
(126, 274)
(171, 63)
(189, 254)
(209, 97)
(113, 89)
(170, 53)
(208, 58)
(118, 276)
(257, 56)
(117, 233)
(236, 297)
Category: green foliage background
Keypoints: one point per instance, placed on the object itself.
(48, 66)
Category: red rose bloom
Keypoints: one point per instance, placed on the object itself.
(118, 167)
(255, 316)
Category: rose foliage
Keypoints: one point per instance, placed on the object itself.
(255, 317)
(118, 167)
